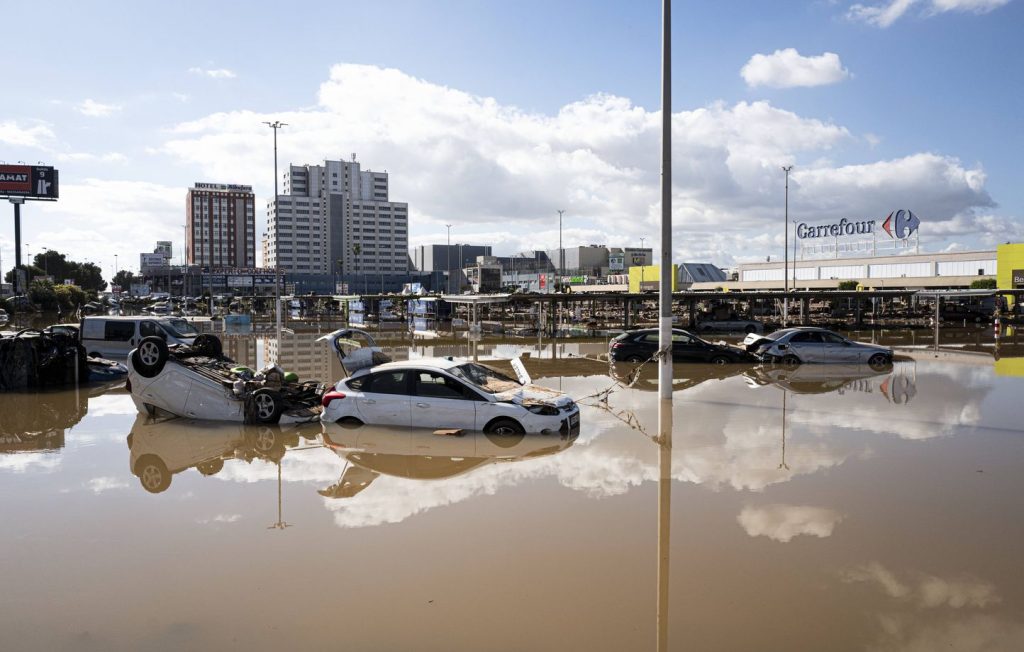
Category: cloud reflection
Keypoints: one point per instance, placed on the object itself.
(784, 522)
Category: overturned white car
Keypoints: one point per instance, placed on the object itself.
(198, 382)
(447, 393)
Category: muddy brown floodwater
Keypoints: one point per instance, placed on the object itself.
(825, 508)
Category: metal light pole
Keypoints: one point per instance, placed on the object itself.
(448, 250)
(665, 333)
(785, 255)
(277, 124)
(561, 252)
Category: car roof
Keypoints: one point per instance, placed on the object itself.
(435, 363)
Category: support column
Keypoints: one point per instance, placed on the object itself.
(17, 246)
(805, 310)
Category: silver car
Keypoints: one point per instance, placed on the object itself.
(793, 346)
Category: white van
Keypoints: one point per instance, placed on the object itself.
(115, 337)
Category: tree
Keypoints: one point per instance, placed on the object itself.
(848, 285)
(984, 284)
(87, 276)
(124, 278)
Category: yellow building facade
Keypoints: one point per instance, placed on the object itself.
(1010, 267)
(646, 277)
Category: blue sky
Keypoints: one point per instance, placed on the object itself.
(493, 115)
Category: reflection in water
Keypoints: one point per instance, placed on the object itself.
(419, 454)
(161, 448)
(37, 422)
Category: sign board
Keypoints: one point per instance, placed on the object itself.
(29, 181)
(578, 280)
(139, 290)
(1018, 278)
(542, 282)
(223, 186)
(616, 262)
(239, 281)
(147, 261)
(899, 225)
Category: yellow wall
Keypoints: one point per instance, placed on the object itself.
(649, 274)
(1008, 258)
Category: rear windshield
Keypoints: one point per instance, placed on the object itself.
(179, 328)
(777, 334)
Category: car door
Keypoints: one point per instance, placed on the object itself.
(836, 348)
(806, 346)
(119, 338)
(385, 399)
(687, 349)
(440, 401)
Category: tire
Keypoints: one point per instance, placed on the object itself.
(634, 359)
(264, 440)
(150, 356)
(266, 406)
(210, 467)
(207, 345)
(720, 360)
(879, 361)
(504, 433)
(750, 329)
(153, 474)
(350, 423)
(790, 360)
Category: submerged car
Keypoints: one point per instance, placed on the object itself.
(449, 393)
(802, 344)
(641, 345)
(199, 382)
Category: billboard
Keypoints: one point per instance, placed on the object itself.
(147, 261)
(240, 281)
(1018, 278)
(29, 181)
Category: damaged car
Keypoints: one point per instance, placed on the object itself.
(197, 381)
(448, 393)
(810, 344)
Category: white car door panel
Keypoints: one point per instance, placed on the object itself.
(385, 399)
(441, 402)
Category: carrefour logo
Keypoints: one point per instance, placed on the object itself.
(901, 224)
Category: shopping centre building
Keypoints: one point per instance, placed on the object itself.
(885, 256)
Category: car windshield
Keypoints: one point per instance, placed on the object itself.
(483, 377)
(777, 334)
(180, 328)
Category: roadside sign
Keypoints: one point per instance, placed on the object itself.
(29, 181)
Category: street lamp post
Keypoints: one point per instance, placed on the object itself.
(277, 124)
(448, 263)
(561, 252)
(785, 255)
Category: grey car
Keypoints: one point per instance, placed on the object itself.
(793, 346)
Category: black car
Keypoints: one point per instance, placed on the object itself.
(640, 345)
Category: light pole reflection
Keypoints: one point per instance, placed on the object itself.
(664, 440)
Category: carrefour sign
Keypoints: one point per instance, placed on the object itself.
(899, 225)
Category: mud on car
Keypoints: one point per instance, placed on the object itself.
(197, 381)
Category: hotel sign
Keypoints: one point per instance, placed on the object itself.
(28, 181)
(899, 225)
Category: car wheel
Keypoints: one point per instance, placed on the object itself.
(720, 359)
(266, 406)
(153, 474)
(349, 423)
(790, 360)
(634, 359)
(504, 433)
(878, 361)
(207, 345)
(210, 467)
(750, 329)
(150, 356)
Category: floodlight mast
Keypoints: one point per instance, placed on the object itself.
(275, 125)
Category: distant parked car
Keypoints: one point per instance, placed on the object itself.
(729, 326)
(793, 346)
(640, 345)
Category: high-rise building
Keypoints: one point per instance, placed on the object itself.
(336, 217)
(220, 229)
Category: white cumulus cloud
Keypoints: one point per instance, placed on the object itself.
(37, 135)
(788, 69)
(96, 109)
(215, 73)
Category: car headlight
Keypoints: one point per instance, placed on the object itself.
(546, 410)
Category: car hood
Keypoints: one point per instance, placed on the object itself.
(533, 394)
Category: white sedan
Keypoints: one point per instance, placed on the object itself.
(449, 393)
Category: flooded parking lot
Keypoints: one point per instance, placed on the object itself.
(824, 507)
